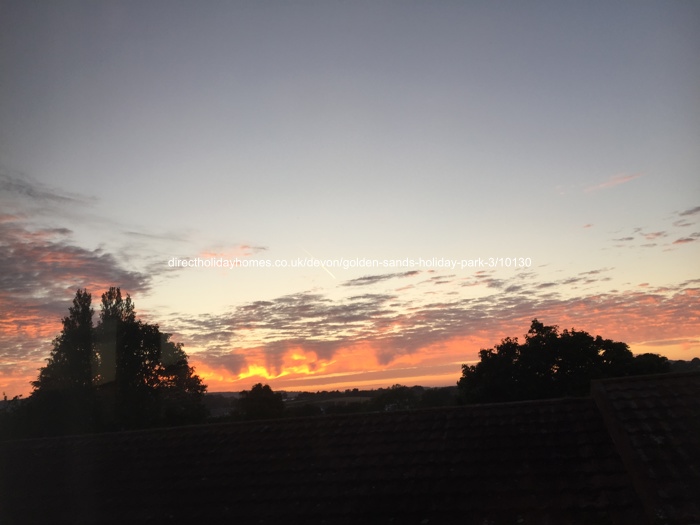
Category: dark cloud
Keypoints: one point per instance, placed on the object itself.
(22, 188)
(302, 318)
(38, 261)
(234, 363)
(643, 236)
(682, 223)
(691, 211)
(373, 279)
(660, 238)
(367, 280)
(40, 270)
(486, 279)
(396, 327)
(177, 237)
(254, 249)
(573, 280)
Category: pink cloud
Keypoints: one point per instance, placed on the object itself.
(615, 180)
(683, 240)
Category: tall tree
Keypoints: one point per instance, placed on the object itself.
(115, 347)
(72, 359)
(63, 396)
(146, 374)
(123, 373)
(550, 364)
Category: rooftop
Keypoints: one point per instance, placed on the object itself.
(630, 453)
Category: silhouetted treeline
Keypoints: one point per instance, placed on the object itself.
(685, 366)
(550, 364)
(262, 403)
(122, 373)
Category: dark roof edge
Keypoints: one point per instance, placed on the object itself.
(645, 377)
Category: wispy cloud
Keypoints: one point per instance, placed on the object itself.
(639, 237)
(373, 322)
(169, 236)
(305, 334)
(373, 279)
(684, 240)
(613, 181)
(40, 270)
(383, 330)
(654, 235)
(232, 252)
(15, 187)
(691, 211)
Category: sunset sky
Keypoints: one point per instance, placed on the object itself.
(562, 135)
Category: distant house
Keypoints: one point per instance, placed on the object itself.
(628, 454)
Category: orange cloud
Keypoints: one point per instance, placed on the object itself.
(410, 347)
(305, 339)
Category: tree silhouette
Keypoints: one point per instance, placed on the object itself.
(72, 359)
(397, 397)
(129, 351)
(181, 391)
(550, 364)
(123, 373)
(63, 400)
(261, 403)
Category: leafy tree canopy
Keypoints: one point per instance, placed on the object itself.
(397, 397)
(550, 364)
(122, 373)
(260, 402)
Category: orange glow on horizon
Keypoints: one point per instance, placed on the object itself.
(255, 370)
(665, 325)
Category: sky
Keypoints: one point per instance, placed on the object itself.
(381, 189)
